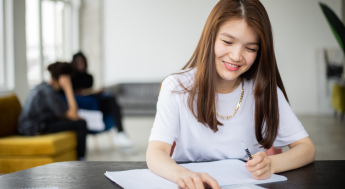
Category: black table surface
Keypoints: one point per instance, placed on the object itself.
(76, 174)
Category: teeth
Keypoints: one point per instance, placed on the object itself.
(231, 65)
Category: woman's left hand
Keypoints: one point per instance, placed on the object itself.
(260, 166)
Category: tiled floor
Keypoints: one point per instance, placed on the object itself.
(327, 133)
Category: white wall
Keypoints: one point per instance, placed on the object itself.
(144, 41)
(16, 55)
(91, 25)
(300, 30)
(147, 40)
(21, 88)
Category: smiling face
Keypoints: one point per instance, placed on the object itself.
(236, 49)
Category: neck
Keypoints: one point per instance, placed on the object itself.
(224, 86)
(54, 84)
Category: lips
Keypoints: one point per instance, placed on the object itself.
(231, 66)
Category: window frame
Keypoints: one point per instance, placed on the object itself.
(70, 32)
(7, 46)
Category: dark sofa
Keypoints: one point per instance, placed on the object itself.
(136, 98)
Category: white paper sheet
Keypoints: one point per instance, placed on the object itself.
(49, 187)
(226, 172)
(243, 186)
(93, 118)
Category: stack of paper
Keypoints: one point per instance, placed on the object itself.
(93, 118)
(226, 172)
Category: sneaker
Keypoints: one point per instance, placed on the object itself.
(122, 140)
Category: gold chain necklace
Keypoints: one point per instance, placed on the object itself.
(237, 107)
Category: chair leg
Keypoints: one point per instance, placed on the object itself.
(95, 140)
(111, 138)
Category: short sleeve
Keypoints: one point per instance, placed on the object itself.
(55, 103)
(290, 128)
(86, 81)
(166, 125)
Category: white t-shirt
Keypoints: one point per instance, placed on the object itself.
(195, 142)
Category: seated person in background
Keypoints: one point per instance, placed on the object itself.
(45, 112)
(82, 83)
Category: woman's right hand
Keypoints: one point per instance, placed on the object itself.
(194, 180)
(159, 161)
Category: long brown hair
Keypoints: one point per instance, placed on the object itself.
(264, 70)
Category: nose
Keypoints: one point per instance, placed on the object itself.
(236, 54)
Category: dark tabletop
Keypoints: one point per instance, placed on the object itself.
(75, 174)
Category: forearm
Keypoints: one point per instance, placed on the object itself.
(163, 165)
(72, 112)
(298, 156)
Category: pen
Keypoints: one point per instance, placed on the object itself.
(247, 151)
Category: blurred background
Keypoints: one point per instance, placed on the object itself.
(132, 45)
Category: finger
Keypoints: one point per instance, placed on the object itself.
(262, 176)
(267, 175)
(261, 172)
(258, 157)
(198, 183)
(256, 167)
(189, 182)
(210, 181)
(180, 183)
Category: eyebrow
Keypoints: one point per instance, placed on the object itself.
(232, 37)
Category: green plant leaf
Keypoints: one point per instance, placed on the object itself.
(336, 25)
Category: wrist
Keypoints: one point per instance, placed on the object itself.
(178, 174)
(272, 169)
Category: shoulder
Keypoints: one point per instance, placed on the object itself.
(282, 101)
(46, 92)
(249, 85)
(87, 75)
(179, 80)
(42, 89)
(45, 88)
(280, 92)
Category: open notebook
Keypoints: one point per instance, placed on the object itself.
(226, 172)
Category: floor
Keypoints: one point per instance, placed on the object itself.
(101, 148)
(327, 133)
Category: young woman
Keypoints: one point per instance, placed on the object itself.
(229, 91)
(45, 112)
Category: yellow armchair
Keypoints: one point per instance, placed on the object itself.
(23, 152)
(338, 98)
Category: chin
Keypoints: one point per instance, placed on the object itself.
(229, 78)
